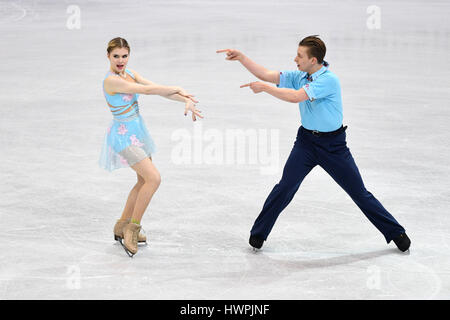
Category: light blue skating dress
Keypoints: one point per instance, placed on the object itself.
(126, 141)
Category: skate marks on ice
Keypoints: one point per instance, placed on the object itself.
(59, 262)
(378, 274)
(14, 11)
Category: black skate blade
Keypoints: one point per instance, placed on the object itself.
(129, 253)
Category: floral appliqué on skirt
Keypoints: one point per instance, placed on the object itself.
(126, 142)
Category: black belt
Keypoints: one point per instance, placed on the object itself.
(322, 134)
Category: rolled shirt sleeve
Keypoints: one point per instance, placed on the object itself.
(322, 110)
(290, 79)
(322, 87)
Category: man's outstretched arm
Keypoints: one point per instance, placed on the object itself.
(257, 70)
(289, 95)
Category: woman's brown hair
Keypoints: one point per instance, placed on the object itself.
(117, 43)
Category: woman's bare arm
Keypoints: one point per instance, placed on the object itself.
(180, 95)
(117, 85)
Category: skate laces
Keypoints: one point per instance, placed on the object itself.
(136, 234)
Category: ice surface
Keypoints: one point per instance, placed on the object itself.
(58, 208)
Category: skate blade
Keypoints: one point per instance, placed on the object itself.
(129, 253)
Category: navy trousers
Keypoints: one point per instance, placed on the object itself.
(333, 155)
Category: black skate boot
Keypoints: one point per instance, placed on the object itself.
(256, 242)
(402, 242)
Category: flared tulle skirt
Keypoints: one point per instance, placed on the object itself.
(126, 142)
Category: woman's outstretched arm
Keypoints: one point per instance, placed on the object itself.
(115, 85)
(181, 96)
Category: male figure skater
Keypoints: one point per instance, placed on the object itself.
(321, 139)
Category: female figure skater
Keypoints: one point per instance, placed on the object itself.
(127, 142)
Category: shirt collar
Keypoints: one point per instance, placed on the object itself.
(315, 74)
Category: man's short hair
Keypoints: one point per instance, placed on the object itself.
(316, 47)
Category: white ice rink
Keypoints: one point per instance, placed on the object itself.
(58, 208)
